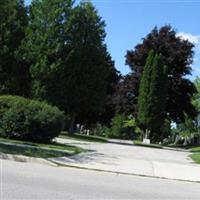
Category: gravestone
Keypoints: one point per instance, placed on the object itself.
(146, 141)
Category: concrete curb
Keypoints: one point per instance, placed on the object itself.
(20, 158)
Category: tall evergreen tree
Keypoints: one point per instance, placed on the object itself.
(152, 95)
(70, 65)
(143, 98)
(158, 96)
(14, 74)
(45, 46)
(90, 72)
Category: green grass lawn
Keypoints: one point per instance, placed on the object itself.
(81, 137)
(195, 154)
(37, 150)
(172, 146)
(196, 157)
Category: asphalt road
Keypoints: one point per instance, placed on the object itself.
(36, 181)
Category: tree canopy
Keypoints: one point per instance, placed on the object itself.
(177, 55)
(14, 74)
(70, 64)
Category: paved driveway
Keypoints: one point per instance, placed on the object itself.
(133, 159)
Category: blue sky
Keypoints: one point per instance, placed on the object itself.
(130, 20)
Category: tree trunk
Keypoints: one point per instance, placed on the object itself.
(147, 133)
(72, 123)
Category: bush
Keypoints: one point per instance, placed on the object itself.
(123, 127)
(31, 120)
(117, 129)
(101, 130)
(133, 131)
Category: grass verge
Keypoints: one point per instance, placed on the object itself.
(81, 137)
(195, 154)
(37, 150)
(139, 143)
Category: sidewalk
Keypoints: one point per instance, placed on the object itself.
(125, 159)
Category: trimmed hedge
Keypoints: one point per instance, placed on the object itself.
(27, 119)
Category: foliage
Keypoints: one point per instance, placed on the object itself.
(44, 45)
(165, 131)
(117, 129)
(186, 133)
(124, 98)
(70, 65)
(152, 96)
(29, 119)
(177, 56)
(14, 74)
(123, 127)
(196, 103)
(132, 127)
(101, 130)
(196, 96)
(144, 109)
(90, 71)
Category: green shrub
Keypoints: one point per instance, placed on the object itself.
(29, 119)
(123, 127)
(101, 130)
(117, 129)
(133, 131)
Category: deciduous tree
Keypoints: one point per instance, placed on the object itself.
(177, 54)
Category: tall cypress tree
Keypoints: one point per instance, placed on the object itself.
(157, 95)
(152, 95)
(143, 98)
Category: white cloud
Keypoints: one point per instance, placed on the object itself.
(195, 39)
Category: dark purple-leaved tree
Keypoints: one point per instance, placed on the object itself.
(177, 55)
